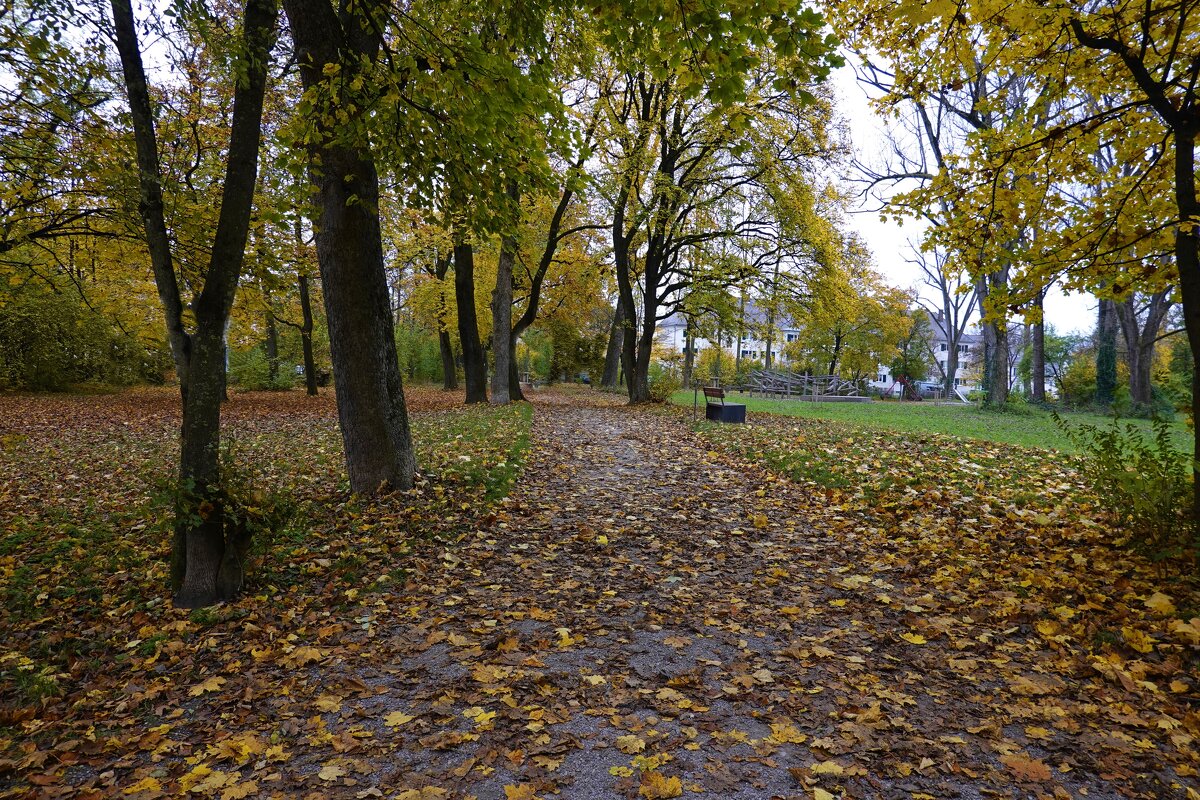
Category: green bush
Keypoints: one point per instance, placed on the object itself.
(663, 382)
(250, 370)
(49, 342)
(1145, 483)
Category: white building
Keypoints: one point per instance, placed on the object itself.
(672, 336)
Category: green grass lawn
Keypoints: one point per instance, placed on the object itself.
(1032, 427)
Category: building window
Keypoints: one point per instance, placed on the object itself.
(747, 354)
(881, 378)
(791, 337)
(963, 349)
(943, 347)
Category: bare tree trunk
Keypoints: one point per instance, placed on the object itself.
(1139, 329)
(1106, 354)
(612, 356)
(689, 357)
(306, 343)
(502, 342)
(474, 365)
(370, 389)
(1038, 357)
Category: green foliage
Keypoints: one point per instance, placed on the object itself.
(714, 362)
(1145, 483)
(664, 382)
(419, 353)
(50, 341)
(912, 354)
(1079, 381)
(250, 370)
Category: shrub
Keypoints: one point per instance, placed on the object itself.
(1145, 483)
(250, 370)
(663, 382)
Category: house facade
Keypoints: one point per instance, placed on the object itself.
(672, 335)
(969, 348)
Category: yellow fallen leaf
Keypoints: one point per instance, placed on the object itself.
(213, 684)
(827, 768)
(331, 772)
(397, 718)
(821, 794)
(630, 744)
(301, 656)
(786, 732)
(913, 638)
(239, 791)
(518, 792)
(1160, 603)
(656, 786)
(329, 702)
(146, 784)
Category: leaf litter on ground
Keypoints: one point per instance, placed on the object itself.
(785, 609)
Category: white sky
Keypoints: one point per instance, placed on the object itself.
(890, 242)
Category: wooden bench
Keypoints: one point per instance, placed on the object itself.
(717, 410)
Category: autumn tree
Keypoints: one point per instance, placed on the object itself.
(208, 545)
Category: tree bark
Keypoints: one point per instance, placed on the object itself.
(206, 546)
(1106, 354)
(306, 343)
(612, 356)
(366, 370)
(272, 343)
(1187, 262)
(474, 365)
(689, 357)
(1140, 337)
(1038, 357)
(502, 340)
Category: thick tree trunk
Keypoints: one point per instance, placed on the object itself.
(502, 342)
(306, 343)
(474, 364)
(612, 356)
(514, 379)
(1038, 357)
(449, 368)
(1140, 336)
(689, 358)
(1106, 354)
(272, 345)
(370, 391)
(1187, 262)
(206, 546)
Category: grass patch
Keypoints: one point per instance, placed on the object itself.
(1033, 427)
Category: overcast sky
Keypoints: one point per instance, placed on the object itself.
(890, 242)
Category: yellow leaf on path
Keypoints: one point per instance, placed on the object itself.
(213, 684)
(630, 744)
(301, 656)
(838, 603)
(760, 521)
(331, 772)
(147, 784)
(1137, 639)
(913, 638)
(239, 791)
(329, 702)
(518, 792)
(786, 732)
(1026, 769)
(397, 718)
(1160, 603)
(821, 794)
(426, 793)
(827, 768)
(656, 786)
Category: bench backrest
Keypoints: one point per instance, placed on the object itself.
(714, 393)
